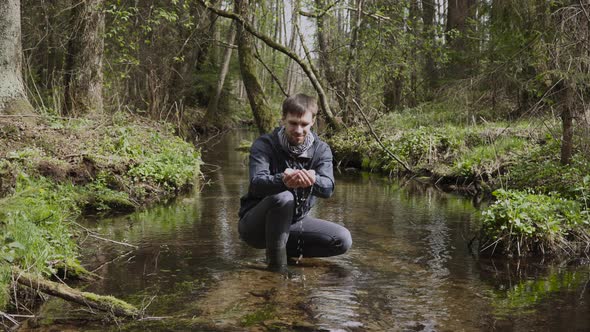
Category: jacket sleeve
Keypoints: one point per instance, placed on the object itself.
(324, 183)
(262, 182)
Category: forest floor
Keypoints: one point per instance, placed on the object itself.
(54, 170)
(541, 206)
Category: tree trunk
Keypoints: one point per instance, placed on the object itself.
(212, 115)
(567, 120)
(83, 77)
(204, 48)
(392, 90)
(13, 99)
(458, 15)
(290, 73)
(413, 21)
(263, 115)
(277, 37)
(394, 69)
(326, 62)
(350, 77)
(430, 72)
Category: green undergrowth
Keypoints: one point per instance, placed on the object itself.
(520, 222)
(436, 139)
(59, 170)
(545, 208)
(541, 206)
(35, 228)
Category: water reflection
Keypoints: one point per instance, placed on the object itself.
(409, 267)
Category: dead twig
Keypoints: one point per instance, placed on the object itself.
(94, 235)
(112, 260)
(10, 318)
(391, 154)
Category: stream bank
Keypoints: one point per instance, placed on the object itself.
(540, 207)
(55, 170)
(409, 268)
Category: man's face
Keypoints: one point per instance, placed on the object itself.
(297, 127)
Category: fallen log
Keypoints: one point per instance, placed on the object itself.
(107, 304)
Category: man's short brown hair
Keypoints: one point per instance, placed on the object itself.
(299, 104)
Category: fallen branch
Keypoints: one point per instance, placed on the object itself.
(107, 304)
(378, 140)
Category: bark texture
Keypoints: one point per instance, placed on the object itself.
(13, 99)
(263, 115)
(83, 77)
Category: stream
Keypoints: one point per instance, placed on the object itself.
(409, 269)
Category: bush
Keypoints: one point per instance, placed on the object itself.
(520, 222)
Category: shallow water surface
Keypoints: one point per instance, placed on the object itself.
(410, 268)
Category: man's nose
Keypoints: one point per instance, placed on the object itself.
(299, 129)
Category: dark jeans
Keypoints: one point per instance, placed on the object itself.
(268, 225)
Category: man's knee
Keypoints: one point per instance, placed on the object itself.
(343, 241)
(282, 199)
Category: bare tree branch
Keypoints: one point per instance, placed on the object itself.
(321, 13)
(272, 74)
(332, 121)
(372, 15)
(306, 50)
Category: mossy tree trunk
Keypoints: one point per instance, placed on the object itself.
(13, 99)
(263, 114)
(83, 77)
(212, 116)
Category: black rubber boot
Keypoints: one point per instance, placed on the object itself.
(277, 259)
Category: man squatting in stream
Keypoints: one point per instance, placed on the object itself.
(289, 168)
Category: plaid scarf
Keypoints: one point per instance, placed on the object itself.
(295, 150)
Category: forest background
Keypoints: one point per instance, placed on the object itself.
(474, 96)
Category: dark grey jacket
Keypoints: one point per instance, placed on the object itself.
(268, 161)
